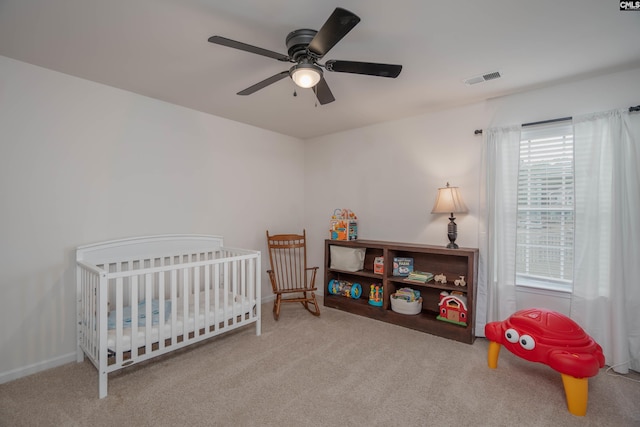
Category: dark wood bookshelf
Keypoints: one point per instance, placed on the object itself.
(453, 263)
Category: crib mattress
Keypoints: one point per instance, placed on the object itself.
(237, 305)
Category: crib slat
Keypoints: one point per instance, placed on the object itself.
(227, 284)
(243, 277)
(174, 304)
(207, 299)
(216, 296)
(133, 303)
(195, 275)
(119, 345)
(163, 314)
(234, 290)
(185, 303)
(148, 300)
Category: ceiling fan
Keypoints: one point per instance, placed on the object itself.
(306, 47)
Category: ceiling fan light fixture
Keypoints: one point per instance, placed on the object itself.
(306, 75)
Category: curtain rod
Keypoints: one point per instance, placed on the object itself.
(479, 131)
(543, 122)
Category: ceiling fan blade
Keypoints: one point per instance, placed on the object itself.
(248, 48)
(323, 93)
(337, 26)
(266, 82)
(369, 68)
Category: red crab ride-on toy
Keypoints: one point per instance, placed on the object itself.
(548, 337)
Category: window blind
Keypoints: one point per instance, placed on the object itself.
(545, 222)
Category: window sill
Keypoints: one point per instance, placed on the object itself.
(563, 291)
(531, 284)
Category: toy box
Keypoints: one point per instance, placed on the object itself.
(343, 225)
(402, 266)
(378, 265)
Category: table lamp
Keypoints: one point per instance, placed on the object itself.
(449, 201)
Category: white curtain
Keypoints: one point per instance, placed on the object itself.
(496, 295)
(606, 290)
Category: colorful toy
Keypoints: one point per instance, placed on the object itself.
(343, 225)
(376, 294)
(453, 308)
(378, 265)
(440, 278)
(545, 336)
(407, 294)
(344, 288)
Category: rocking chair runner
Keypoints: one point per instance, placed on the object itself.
(289, 275)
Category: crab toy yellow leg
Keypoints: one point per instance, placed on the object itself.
(492, 356)
(577, 392)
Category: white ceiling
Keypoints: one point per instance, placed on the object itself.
(159, 48)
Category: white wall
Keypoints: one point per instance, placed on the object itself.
(389, 173)
(81, 162)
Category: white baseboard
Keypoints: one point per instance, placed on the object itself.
(25, 371)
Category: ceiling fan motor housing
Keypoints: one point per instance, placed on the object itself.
(297, 43)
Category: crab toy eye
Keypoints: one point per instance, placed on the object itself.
(527, 342)
(512, 335)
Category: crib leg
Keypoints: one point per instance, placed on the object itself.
(79, 355)
(102, 385)
(257, 309)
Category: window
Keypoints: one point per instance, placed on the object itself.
(545, 222)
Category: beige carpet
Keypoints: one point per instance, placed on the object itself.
(335, 370)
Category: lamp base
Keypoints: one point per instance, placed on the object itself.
(452, 233)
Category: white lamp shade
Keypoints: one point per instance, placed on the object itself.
(306, 75)
(448, 200)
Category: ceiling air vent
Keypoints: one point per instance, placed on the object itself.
(483, 78)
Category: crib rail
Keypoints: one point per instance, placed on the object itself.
(141, 307)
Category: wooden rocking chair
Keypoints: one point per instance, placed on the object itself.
(289, 275)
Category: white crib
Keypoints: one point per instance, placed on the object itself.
(197, 288)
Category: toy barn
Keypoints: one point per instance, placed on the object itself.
(453, 308)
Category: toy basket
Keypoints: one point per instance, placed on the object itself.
(403, 306)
